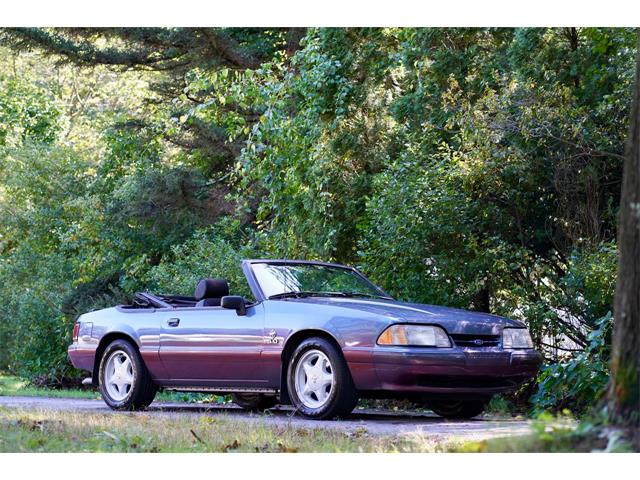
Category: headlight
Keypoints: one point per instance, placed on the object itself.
(516, 338)
(414, 335)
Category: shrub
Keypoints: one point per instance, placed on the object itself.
(578, 382)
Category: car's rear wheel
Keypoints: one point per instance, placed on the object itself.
(458, 409)
(125, 382)
(319, 382)
(254, 401)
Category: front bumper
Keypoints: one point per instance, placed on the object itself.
(460, 371)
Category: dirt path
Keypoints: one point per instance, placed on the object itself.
(372, 421)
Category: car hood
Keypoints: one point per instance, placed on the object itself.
(454, 320)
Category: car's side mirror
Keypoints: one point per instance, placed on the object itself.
(234, 302)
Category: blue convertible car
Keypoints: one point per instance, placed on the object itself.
(315, 335)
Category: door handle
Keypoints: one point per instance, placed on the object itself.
(173, 322)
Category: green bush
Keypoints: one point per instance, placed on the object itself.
(578, 382)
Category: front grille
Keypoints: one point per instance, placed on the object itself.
(477, 341)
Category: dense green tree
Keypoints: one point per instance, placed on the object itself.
(477, 167)
(174, 54)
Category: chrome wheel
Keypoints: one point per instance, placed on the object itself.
(314, 379)
(118, 375)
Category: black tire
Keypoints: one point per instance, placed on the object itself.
(458, 409)
(343, 396)
(255, 402)
(143, 389)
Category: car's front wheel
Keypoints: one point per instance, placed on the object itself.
(458, 409)
(125, 382)
(319, 382)
(254, 401)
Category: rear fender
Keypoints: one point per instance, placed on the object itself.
(149, 350)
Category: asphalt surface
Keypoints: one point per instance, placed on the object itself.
(372, 422)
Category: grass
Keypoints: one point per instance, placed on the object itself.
(53, 431)
(559, 434)
(50, 431)
(15, 386)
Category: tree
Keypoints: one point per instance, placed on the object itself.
(174, 55)
(465, 167)
(624, 386)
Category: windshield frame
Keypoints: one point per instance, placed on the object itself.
(254, 285)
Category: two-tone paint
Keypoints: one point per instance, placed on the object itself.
(216, 349)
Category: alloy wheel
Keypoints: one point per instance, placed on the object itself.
(118, 375)
(314, 379)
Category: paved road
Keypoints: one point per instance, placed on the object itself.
(374, 422)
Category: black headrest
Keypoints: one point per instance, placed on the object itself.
(211, 288)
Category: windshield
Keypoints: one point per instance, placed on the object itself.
(297, 280)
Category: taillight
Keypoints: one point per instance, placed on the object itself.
(76, 329)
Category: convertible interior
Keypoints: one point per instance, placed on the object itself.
(208, 293)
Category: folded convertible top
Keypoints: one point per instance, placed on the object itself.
(151, 300)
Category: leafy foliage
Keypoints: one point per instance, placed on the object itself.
(26, 113)
(579, 381)
(477, 168)
(213, 252)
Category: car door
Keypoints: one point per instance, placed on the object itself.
(213, 346)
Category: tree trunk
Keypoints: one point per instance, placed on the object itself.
(572, 33)
(624, 385)
(481, 300)
(294, 37)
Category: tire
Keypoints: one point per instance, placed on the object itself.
(458, 409)
(329, 398)
(254, 402)
(125, 382)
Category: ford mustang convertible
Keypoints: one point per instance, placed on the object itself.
(315, 335)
